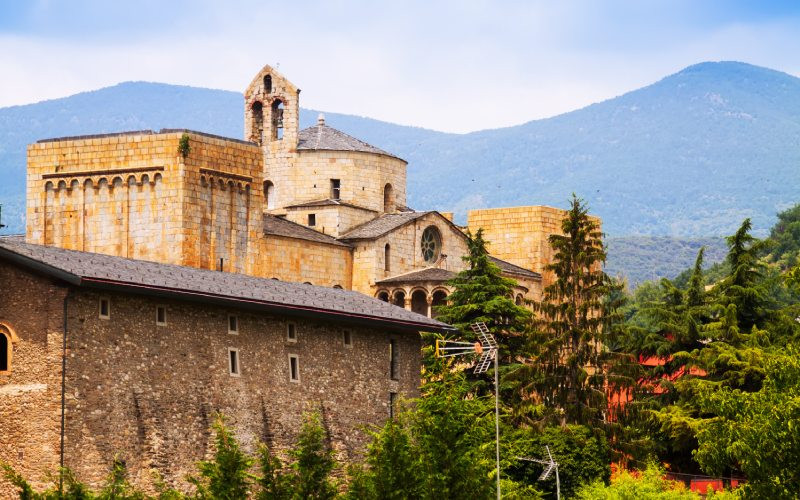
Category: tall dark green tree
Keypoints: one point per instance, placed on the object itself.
(226, 476)
(482, 293)
(570, 361)
(313, 462)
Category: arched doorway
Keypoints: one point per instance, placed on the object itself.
(419, 302)
(439, 299)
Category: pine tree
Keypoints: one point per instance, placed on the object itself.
(568, 371)
(273, 484)
(226, 477)
(482, 293)
(313, 462)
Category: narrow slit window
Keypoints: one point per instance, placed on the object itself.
(291, 332)
(393, 359)
(161, 315)
(233, 324)
(5, 352)
(392, 404)
(312, 219)
(347, 338)
(105, 308)
(294, 368)
(233, 361)
(336, 189)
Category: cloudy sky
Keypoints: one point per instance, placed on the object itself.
(454, 66)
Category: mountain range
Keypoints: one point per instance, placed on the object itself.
(689, 156)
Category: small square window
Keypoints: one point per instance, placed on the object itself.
(291, 332)
(105, 308)
(233, 324)
(294, 368)
(312, 219)
(233, 362)
(161, 316)
(347, 338)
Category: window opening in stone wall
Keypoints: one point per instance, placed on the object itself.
(269, 194)
(5, 352)
(388, 199)
(400, 299)
(257, 133)
(393, 359)
(221, 264)
(439, 299)
(233, 324)
(347, 338)
(312, 219)
(291, 332)
(518, 300)
(387, 261)
(277, 120)
(419, 302)
(431, 244)
(338, 287)
(392, 404)
(105, 308)
(294, 368)
(267, 84)
(161, 315)
(336, 189)
(384, 296)
(233, 361)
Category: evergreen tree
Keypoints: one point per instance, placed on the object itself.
(482, 293)
(313, 462)
(273, 484)
(226, 477)
(569, 369)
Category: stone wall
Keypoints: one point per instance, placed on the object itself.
(333, 220)
(148, 394)
(31, 312)
(292, 259)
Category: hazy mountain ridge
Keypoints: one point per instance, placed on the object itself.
(690, 155)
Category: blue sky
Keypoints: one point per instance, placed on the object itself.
(450, 65)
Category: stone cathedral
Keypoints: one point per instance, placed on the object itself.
(311, 206)
(168, 277)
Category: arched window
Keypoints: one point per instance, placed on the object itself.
(388, 199)
(518, 300)
(256, 134)
(387, 258)
(431, 244)
(400, 298)
(277, 120)
(267, 84)
(419, 302)
(384, 296)
(269, 194)
(439, 299)
(338, 287)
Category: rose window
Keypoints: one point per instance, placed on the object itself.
(431, 244)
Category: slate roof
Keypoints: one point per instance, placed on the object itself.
(429, 274)
(107, 272)
(329, 203)
(282, 227)
(325, 138)
(382, 225)
(510, 268)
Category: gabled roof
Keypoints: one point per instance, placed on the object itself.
(508, 267)
(279, 226)
(428, 274)
(327, 202)
(106, 272)
(382, 225)
(324, 138)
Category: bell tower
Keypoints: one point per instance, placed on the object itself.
(271, 112)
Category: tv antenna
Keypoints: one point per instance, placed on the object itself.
(486, 349)
(550, 465)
